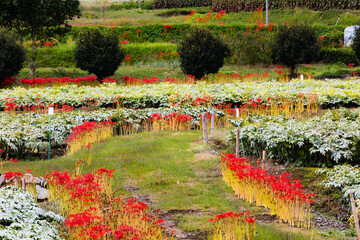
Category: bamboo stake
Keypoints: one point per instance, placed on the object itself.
(212, 124)
(237, 142)
(356, 220)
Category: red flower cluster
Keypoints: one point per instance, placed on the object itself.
(13, 175)
(239, 226)
(94, 213)
(9, 81)
(283, 196)
(57, 81)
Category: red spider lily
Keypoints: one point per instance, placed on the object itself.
(48, 44)
(231, 225)
(82, 198)
(11, 175)
(283, 196)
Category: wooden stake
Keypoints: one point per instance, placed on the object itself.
(263, 159)
(212, 124)
(205, 128)
(356, 220)
(237, 142)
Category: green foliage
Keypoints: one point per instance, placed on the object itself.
(37, 18)
(294, 44)
(63, 55)
(132, 4)
(335, 55)
(202, 53)
(250, 48)
(150, 52)
(12, 56)
(98, 53)
(245, 5)
(356, 43)
(158, 4)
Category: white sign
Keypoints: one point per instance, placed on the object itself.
(51, 111)
(237, 113)
(349, 34)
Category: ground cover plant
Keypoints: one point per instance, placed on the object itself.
(327, 140)
(21, 217)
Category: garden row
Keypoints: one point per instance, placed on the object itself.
(92, 211)
(321, 141)
(22, 134)
(332, 93)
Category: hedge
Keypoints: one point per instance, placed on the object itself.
(174, 32)
(335, 55)
(63, 55)
(252, 5)
(159, 4)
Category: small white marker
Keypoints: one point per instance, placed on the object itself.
(51, 111)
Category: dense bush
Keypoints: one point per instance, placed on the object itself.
(318, 5)
(12, 56)
(98, 53)
(201, 53)
(158, 4)
(336, 55)
(356, 43)
(294, 44)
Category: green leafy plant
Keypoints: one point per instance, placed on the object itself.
(12, 56)
(202, 53)
(294, 44)
(356, 43)
(98, 53)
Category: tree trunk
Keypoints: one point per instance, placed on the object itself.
(33, 65)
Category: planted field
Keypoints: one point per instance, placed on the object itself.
(128, 125)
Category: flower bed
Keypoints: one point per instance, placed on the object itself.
(284, 197)
(325, 94)
(327, 140)
(20, 133)
(93, 212)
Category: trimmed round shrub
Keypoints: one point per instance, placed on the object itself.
(98, 53)
(356, 43)
(12, 56)
(295, 44)
(201, 53)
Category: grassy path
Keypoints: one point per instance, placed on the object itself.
(172, 171)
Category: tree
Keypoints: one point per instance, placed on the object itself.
(98, 53)
(201, 53)
(36, 18)
(356, 43)
(294, 44)
(12, 56)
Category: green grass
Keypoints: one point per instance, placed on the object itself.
(175, 171)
